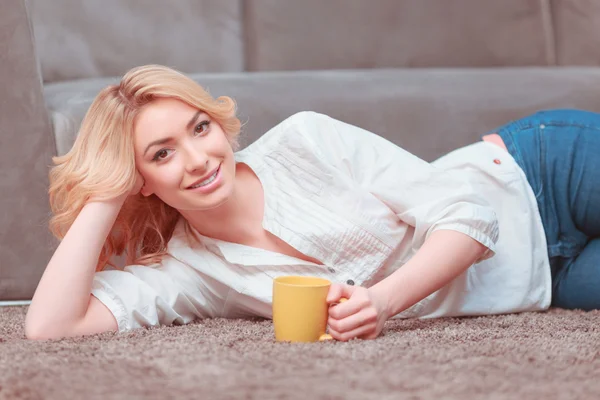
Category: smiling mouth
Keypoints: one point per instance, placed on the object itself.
(206, 181)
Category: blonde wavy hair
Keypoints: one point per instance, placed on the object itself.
(101, 163)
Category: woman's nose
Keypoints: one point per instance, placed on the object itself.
(196, 161)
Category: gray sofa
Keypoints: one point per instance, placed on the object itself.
(430, 75)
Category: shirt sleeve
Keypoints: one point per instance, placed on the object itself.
(422, 195)
(144, 296)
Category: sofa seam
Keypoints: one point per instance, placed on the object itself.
(245, 30)
(549, 32)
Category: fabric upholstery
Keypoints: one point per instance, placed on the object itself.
(427, 111)
(83, 39)
(577, 31)
(315, 34)
(26, 144)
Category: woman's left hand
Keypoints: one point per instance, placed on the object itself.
(362, 316)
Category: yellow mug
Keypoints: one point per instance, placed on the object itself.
(300, 308)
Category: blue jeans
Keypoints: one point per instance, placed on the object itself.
(559, 151)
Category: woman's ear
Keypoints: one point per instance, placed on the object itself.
(145, 191)
(140, 185)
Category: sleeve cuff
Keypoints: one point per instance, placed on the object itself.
(107, 296)
(475, 234)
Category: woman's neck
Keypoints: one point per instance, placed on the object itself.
(239, 219)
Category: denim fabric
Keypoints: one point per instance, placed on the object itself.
(559, 151)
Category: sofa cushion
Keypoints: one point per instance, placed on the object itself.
(316, 34)
(427, 111)
(26, 146)
(577, 31)
(85, 39)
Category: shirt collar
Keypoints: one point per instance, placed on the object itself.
(233, 253)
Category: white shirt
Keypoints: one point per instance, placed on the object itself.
(362, 206)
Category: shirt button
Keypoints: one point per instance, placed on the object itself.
(350, 282)
(542, 126)
(331, 269)
(496, 161)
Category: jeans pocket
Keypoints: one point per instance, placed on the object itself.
(529, 150)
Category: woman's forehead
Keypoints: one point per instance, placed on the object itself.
(164, 116)
(165, 109)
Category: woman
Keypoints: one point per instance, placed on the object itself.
(153, 175)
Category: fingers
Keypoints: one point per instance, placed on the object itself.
(365, 332)
(337, 291)
(354, 318)
(365, 317)
(334, 294)
(348, 308)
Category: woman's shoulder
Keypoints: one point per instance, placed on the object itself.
(306, 123)
(305, 117)
(301, 130)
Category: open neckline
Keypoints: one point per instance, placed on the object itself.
(243, 157)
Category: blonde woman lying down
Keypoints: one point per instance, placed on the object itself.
(504, 225)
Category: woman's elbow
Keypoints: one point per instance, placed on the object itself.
(38, 332)
(42, 330)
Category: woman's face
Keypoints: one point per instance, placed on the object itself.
(183, 155)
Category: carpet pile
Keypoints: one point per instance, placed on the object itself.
(549, 355)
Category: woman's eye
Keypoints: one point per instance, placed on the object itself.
(161, 155)
(202, 127)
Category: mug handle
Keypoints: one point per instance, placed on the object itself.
(326, 336)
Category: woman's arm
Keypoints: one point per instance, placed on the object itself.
(444, 256)
(62, 299)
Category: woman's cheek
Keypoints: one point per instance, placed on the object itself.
(171, 176)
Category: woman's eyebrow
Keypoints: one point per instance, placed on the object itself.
(156, 142)
(189, 125)
(193, 120)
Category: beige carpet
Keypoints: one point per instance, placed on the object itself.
(553, 355)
